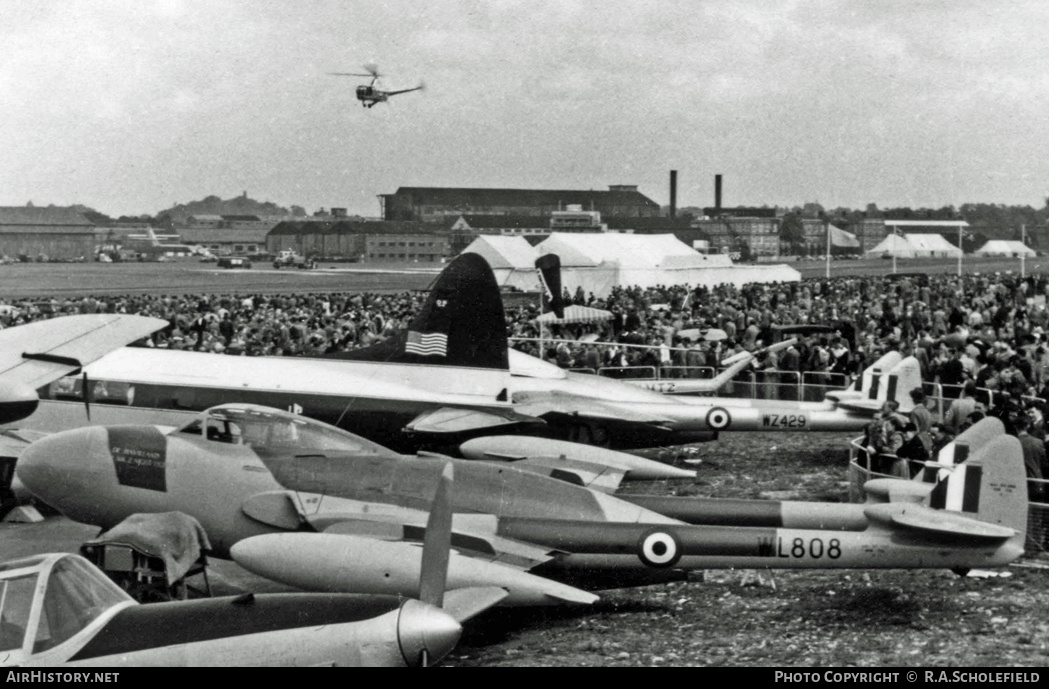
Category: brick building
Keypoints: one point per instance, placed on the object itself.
(434, 204)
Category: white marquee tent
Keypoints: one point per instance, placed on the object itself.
(915, 246)
(512, 260)
(597, 262)
(998, 247)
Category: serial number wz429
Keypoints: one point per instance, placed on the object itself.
(783, 420)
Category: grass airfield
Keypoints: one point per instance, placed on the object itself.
(24, 281)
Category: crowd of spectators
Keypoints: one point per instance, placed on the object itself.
(251, 325)
(983, 338)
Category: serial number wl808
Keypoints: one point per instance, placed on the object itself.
(783, 420)
(797, 548)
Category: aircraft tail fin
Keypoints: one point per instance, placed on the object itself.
(991, 485)
(549, 267)
(462, 323)
(437, 543)
(889, 378)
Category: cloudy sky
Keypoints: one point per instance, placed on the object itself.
(132, 106)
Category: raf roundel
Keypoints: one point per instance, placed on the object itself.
(718, 418)
(659, 549)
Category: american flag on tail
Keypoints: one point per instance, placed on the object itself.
(426, 344)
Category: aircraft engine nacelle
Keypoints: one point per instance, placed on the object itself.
(358, 564)
(17, 401)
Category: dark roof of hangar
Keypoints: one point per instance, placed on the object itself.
(477, 220)
(29, 215)
(352, 227)
(465, 196)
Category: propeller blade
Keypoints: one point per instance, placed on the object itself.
(433, 575)
(87, 396)
(371, 68)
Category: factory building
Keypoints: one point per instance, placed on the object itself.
(435, 204)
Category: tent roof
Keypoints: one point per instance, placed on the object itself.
(839, 237)
(646, 251)
(1007, 247)
(909, 244)
(504, 252)
(576, 313)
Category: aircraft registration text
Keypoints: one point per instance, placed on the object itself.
(797, 548)
(784, 420)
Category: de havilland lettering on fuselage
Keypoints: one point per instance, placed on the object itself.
(450, 377)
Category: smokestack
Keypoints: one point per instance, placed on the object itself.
(717, 192)
(673, 193)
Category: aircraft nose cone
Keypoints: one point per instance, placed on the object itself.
(17, 401)
(56, 466)
(426, 633)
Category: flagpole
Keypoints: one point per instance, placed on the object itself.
(895, 247)
(826, 226)
(1023, 254)
(960, 250)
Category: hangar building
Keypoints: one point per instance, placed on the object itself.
(57, 233)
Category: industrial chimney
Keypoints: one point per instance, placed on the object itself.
(673, 193)
(717, 192)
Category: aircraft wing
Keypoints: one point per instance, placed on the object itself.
(474, 534)
(552, 404)
(43, 351)
(601, 478)
(453, 420)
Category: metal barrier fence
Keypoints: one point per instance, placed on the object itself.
(1037, 511)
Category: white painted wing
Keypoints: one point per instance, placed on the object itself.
(41, 352)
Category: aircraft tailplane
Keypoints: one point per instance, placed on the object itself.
(462, 323)
(991, 485)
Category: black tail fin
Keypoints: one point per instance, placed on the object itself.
(549, 266)
(462, 323)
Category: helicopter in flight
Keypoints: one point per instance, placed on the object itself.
(373, 93)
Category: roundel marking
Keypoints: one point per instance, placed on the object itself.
(659, 548)
(718, 418)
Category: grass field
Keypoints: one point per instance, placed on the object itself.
(20, 281)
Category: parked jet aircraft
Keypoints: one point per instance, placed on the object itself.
(448, 378)
(59, 609)
(257, 480)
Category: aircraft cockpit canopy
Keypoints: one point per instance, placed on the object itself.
(271, 432)
(46, 600)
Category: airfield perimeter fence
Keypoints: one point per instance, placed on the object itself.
(811, 386)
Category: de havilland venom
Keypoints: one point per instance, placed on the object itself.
(307, 504)
(450, 377)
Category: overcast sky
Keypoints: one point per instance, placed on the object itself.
(132, 106)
